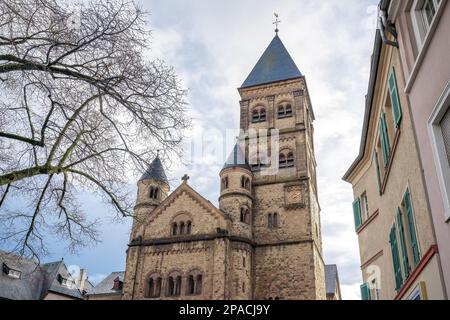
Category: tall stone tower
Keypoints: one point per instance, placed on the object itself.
(286, 227)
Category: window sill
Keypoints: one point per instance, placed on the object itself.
(259, 121)
(391, 160)
(367, 222)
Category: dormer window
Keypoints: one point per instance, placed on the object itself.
(10, 272)
(154, 192)
(118, 285)
(64, 281)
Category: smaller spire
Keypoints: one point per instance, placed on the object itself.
(155, 171)
(236, 159)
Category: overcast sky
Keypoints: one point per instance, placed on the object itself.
(213, 46)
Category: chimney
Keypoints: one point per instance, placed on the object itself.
(82, 279)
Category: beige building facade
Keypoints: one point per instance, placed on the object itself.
(264, 239)
(398, 249)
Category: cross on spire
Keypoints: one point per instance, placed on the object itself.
(185, 178)
(276, 22)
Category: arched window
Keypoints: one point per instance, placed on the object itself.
(247, 184)
(177, 290)
(255, 116)
(154, 192)
(286, 161)
(174, 229)
(151, 288)
(182, 228)
(188, 227)
(170, 287)
(281, 112)
(284, 111)
(259, 115)
(190, 289)
(282, 161)
(290, 160)
(243, 182)
(154, 287)
(225, 183)
(270, 221)
(288, 110)
(198, 284)
(276, 220)
(245, 215)
(262, 115)
(158, 287)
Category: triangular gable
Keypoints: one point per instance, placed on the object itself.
(185, 188)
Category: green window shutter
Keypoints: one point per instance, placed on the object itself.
(411, 227)
(357, 213)
(395, 99)
(365, 292)
(377, 169)
(384, 138)
(395, 259)
(401, 233)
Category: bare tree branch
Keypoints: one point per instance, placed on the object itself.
(82, 109)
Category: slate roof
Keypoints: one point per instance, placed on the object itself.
(274, 65)
(155, 171)
(35, 281)
(106, 285)
(236, 159)
(331, 278)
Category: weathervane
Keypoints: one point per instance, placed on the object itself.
(277, 22)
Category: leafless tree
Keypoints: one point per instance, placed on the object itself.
(81, 108)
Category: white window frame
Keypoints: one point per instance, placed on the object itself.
(422, 35)
(439, 153)
(364, 207)
(420, 23)
(420, 291)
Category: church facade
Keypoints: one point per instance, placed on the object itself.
(264, 240)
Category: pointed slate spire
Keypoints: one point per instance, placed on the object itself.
(236, 159)
(155, 171)
(274, 65)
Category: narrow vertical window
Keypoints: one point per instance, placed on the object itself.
(182, 227)
(158, 287)
(198, 284)
(177, 286)
(170, 287)
(189, 227)
(270, 221)
(174, 229)
(190, 285)
(276, 220)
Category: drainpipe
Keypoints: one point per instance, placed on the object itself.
(385, 25)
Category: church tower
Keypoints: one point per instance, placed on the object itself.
(286, 227)
(264, 240)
